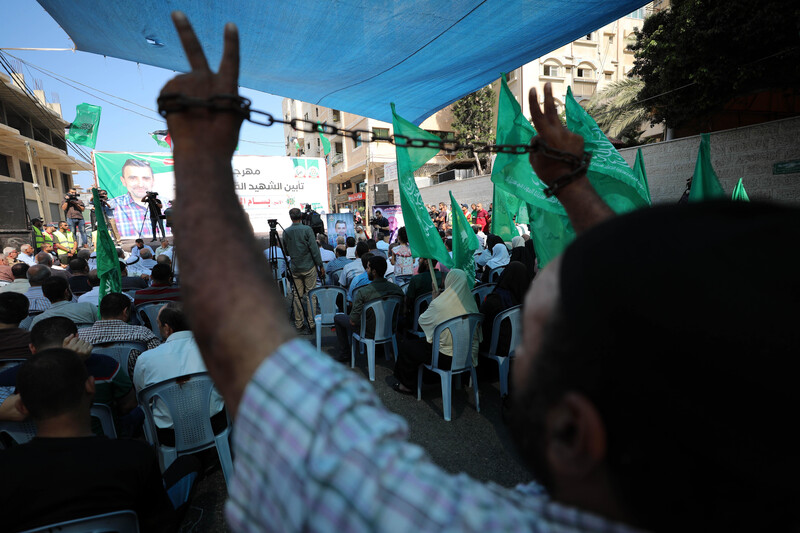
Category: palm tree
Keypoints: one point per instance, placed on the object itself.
(617, 111)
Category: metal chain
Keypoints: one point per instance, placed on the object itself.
(176, 103)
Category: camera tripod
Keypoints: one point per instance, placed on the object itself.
(275, 241)
(156, 223)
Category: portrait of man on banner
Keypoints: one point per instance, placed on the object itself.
(130, 213)
(340, 225)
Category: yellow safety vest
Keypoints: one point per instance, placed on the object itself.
(37, 234)
(64, 239)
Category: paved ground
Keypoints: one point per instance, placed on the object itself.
(476, 443)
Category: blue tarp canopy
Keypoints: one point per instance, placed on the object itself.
(353, 55)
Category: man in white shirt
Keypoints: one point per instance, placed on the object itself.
(26, 255)
(57, 291)
(177, 356)
(325, 254)
(139, 246)
(165, 249)
(354, 268)
(143, 264)
(383, 244)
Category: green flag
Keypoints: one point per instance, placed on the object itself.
(739, 193)
(326, 144)
(641, 175)
(107, 261)
(522, 214)
(705, 184)
(83, 129)
(504, 207)
(465, 242)
(423, 237)
(551, 233)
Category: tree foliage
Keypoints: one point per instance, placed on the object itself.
(473, 119)
(617, 110)
(697, 56)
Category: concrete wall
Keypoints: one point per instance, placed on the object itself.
(468, 191)
(749, 152)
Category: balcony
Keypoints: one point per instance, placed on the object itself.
(337, 159)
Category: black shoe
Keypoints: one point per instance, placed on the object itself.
(342, 356)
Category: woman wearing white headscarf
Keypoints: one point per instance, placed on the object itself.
(456, 300)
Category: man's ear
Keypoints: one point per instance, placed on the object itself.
(126, 314)
(21, 407)
(32, 348)
(575, 437)
(89, 385)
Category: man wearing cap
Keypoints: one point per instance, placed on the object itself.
(38, 234)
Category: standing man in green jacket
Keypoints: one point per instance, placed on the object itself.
(301, 246)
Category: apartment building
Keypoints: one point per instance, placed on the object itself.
(355, 168)
(33, 150)
(587, 64)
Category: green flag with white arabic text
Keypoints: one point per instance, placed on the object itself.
(504, 207)
(705, 184)
(465, 242)
(83, 129)
(107, 260)
(423, 237)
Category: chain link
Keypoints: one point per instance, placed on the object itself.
(175, 103)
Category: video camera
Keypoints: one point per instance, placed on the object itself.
(71, 197)
(273, 223)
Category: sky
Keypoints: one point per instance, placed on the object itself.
(25, 24)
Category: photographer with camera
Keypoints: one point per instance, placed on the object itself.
(108, 214)
(73, 211)
(314, 220)
(156, 218)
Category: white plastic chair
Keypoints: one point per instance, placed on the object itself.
(387, 313)
(327, 305)
(117, 521)
(422, 299)
(8, 363)
(494, 274)
(480, 292)
(462, 329)
(19, 432)
(187, 399)
(514, 315)
(102, 412)
(120, 351)
(148, 315)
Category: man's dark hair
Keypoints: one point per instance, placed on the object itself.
(43, 258)
(361, 248)
(371, 244)
(123, 268)
(136, 163)
(20, 270)
(172, 315)
(78, 265)
(365, 259)
(38, 274)
(295, 214)
(350, 242)
(378, 265)
(13, 307)
(93, 279)
(52, 382)
(161, 273)
(691, 380)
(137, 241)
(402, 235)
(341, 251)
(83, 253)
(112, 305)
(426, 265)
(448, 243)
(54, 288)
(51, 332)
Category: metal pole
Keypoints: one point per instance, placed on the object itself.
(36, 187)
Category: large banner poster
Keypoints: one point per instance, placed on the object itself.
(267, 187)
(394, 214)
(340, 225)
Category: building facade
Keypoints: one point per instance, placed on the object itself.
(355, 168)
(33, 150)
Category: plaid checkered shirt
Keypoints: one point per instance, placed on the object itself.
(317, 451)
(129, 216)
(104, 331)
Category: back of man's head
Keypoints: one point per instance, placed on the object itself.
(79, 266)
(51, 332)
(361, 248)
(13, 308)
(52, 383)
(173, 316)
(365, 259)
(163, 259)
(139, 241)
(351, 242)
(83, 253)
(113, 305)
(55, 289)
(371, 244)
(161, 274)
(123, 268)
(93, 278)
(688, 364)
(378, 265)
(341, 250)
(145, 254)
(295, 214)
(322, 239)
(341, 240)
(37, 274)
(20, 270)
(43, 258)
